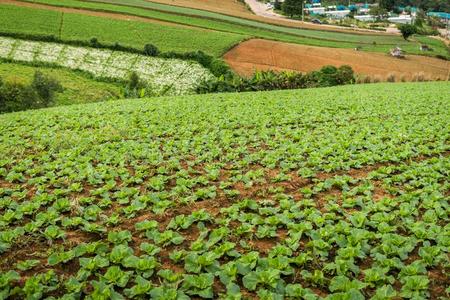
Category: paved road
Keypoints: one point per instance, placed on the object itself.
(260, 9)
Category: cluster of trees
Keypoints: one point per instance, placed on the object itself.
(270, 80)
(292, 7)
(16, 96)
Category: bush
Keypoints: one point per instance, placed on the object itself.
(217, 66)
(407, 30)
(376, 79)
(419, 77)
(45, 87)
(94, 43)
(390, 77)
(17, 96)
(331, 76)
(270, 80)
(151, 50)
(136, 88)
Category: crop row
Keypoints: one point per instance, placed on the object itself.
(78, 27)
(245, 27)
(335, 193)
(171, 75)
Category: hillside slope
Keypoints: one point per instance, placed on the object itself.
(232, 29)
(308, 193)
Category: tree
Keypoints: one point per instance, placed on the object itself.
(292, 7)
(387, 4)
(378, 12)
(277, 4)
(407, 30)
(45, 87)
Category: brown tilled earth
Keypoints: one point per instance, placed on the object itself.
(260, 54)
(230, 7)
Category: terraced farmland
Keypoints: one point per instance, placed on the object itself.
(164, 76)
(232, 29)
(69, 26)
(77, 87)
(336, 193)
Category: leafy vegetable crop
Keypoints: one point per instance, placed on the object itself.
(335, 193)
(165, 76)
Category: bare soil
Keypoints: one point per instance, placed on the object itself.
(260, 54)
(229, 7)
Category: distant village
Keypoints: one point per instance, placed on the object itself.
(362, 12)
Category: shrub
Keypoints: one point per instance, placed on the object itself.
(217, 66)
(94, 43)
(151, 50)
(40, 93)
(331, 76)
(45, 87)
(136, 88)
(376, 79)
(345, 75)
(418, 77)
(15, 96)
(367, 79)
(363, 79)
(270, 80)
(390, 78)
(407, 30)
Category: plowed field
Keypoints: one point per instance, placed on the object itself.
(264, 55)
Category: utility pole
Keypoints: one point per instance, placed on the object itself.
(303, 11)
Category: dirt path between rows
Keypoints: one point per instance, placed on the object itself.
(94, 13)
(260, 54)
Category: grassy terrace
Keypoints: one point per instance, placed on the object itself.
(78, 88)
(224, 23)
(70, 27)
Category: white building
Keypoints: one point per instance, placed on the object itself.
(365, 18)
(402, 19)
(338, 14)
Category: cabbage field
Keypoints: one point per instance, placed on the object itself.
(331, 193)
(167, 76)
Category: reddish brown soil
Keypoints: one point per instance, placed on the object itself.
(260, 54)
(229, 7)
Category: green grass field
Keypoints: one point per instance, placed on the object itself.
(78, 88)
(223, 23)
(128, 33)
(330, 193)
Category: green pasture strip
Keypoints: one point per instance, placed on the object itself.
(311, 33)
(128, 33)
(78, 88)
(236, 25)
(378, 43)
